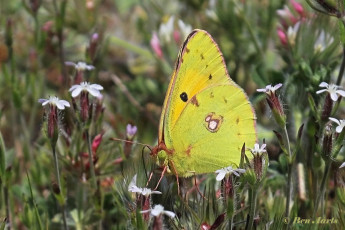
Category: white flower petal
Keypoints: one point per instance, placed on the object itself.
(277, 86)
(339, 129)
(341, 93)
(73, 87)
(93, 92)
(235, 173)
(157, 210)
(76, 91)
(96, 86)
(342, 165)
(323, 84)
(220, 175)
(65, 103)
(156, 192)
(261, 90)
(45, 102)
(241, 170)
(69, 63)
(334, 120)
(321, 91)
(59, 105)
(170, 214)
(334, 96)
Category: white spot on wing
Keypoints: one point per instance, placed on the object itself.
(212, 124)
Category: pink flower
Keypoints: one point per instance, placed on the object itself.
(155, 44)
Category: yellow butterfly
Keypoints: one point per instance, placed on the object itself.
(206, 116)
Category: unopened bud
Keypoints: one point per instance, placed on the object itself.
(327, 108)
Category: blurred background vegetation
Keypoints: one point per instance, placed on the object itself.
(133, 46)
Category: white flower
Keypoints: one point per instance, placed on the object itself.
(322, 41)
(93, 89)
(159, 210)
(292, 33)
(342, 165)
(211, 11)
(185, 28)
(332, 89)
(228, 170)
(257, 149)
(60, 104)
(80, 66)
(340, 123)
(270, 88)
(166, 30)
(143, 191)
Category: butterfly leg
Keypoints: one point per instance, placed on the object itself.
(162, 174)
(150, 177)
(176, 174)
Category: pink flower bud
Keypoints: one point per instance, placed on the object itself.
(282, 36)
(155, 44)
(177, 36)
(298, 7)
(96, 142)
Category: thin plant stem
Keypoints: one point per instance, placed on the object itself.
(253, 197)
(342, 68)
(289, 184)
(92, 167)
(322, 187)
(7, 207)
(57, 173)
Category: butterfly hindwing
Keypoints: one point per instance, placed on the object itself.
(206, 117)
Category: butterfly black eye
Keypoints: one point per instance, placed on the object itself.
(184, 97)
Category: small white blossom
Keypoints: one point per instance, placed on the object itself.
(93, 89)
(292, 33)
(143, 191)
(257, 149)
(228, 170)
(159, 210)
(166, 30)
(340, 123)
(332, 89)
(80, 66)
(270, 88)
(342, 165)
(185, 28)
(211, 11)
(60, 104)
(322, 41)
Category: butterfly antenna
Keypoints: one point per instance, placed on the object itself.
(128, 141)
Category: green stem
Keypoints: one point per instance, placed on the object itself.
(322, 187)
(131, 47)
(57, 172)
(7, 207)
(92, 167)
(289, 183)
(253, 198)
(342, 68)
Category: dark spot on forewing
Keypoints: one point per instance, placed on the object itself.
(210, 77)
(194, 101)
(202, 56)
(187, 50)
